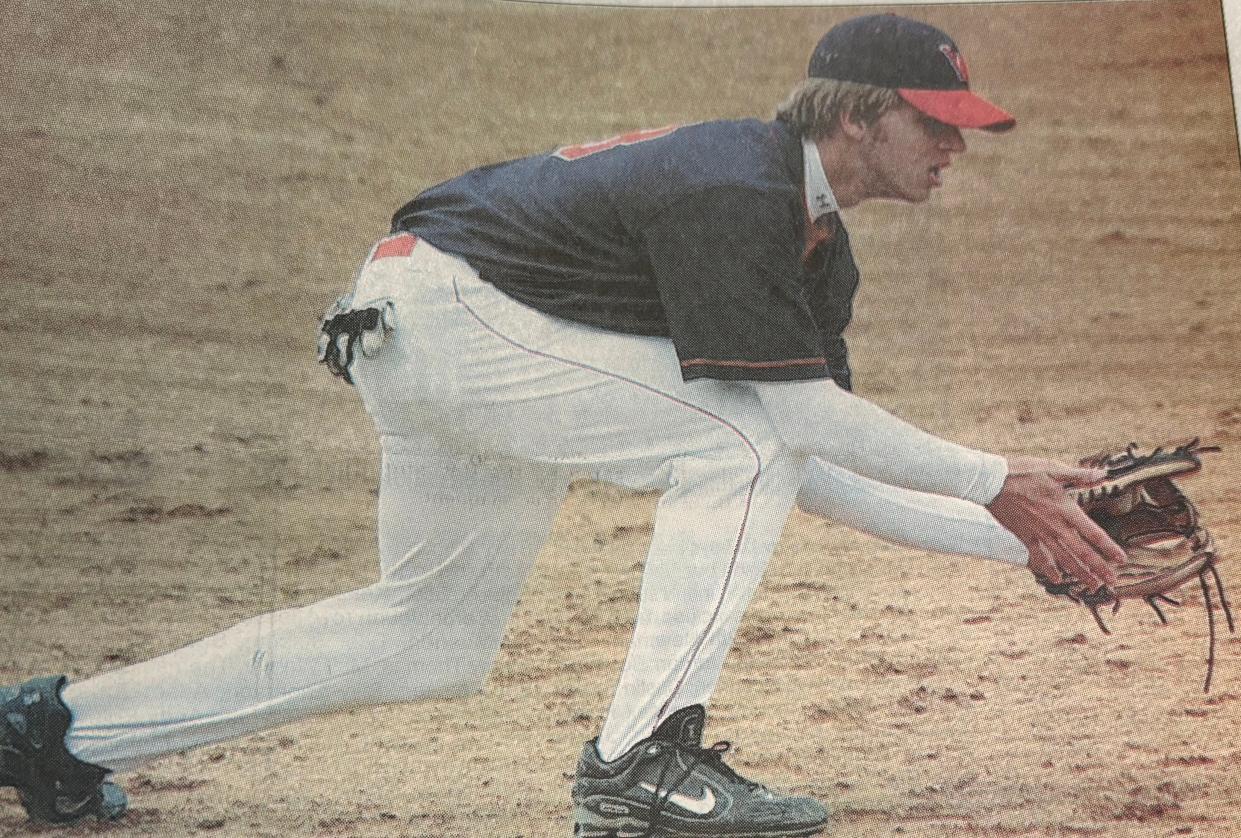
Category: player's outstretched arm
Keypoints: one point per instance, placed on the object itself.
(919, 520)
(820, 419)
(1026, 495)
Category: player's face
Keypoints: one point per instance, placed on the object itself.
(905, 152)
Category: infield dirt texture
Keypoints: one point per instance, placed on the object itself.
(187, 186)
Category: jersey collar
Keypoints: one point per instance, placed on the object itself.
(820, 199)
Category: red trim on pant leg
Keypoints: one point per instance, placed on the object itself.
(402, 244)
(758, 462)
(756, 365)
(719, 603)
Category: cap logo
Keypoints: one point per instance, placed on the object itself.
(957, 60)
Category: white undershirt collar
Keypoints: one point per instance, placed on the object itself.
(820, 199)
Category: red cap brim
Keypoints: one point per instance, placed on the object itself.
(960, 108)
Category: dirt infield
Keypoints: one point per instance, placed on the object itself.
(187, 186)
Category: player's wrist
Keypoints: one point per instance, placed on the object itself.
(989, 480)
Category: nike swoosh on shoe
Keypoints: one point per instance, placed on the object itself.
(695, 805)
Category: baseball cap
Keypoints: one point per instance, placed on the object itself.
(920, 62)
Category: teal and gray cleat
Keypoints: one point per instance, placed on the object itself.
(53, 785)
(671, 787)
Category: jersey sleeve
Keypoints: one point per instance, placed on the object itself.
(727, 263)
(837, 352)
(830, 295)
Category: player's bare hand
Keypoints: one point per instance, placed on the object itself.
(1058, 535)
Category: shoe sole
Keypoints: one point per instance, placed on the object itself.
(108, 803)
(588, 824)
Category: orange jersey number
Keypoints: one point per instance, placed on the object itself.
(577, 152)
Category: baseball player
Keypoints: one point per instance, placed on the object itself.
(664, 310)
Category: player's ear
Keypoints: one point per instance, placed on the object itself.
(850, 125)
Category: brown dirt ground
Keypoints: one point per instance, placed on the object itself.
(186, 186)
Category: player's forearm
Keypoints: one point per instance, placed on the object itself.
(818, 418)
(901, 516)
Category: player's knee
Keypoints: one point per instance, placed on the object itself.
(776, 462)
(436, 679)
(470, 666)
(752, 444)
(766, 447)
(471, 683)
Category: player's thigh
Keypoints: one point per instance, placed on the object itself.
(445, 510)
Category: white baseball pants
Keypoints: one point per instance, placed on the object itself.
(486, 410)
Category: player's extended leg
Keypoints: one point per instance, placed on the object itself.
(458, 533)
(901, 516)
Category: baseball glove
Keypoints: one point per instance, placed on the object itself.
(1141, 507)
(344, 328)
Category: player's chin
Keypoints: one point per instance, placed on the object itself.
(924, 187)
(916, 195)
(910, 190)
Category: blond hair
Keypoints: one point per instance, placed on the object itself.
(815, 106)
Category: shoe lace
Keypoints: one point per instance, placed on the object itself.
(714, 756)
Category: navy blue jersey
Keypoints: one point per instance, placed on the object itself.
(696, 233)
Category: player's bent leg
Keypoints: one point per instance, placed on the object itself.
(648, 772)
(715, 530)
(901, 516)
(459, 532)
(458, 535)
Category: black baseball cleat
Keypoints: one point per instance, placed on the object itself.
(671, 787)
(53, 784)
